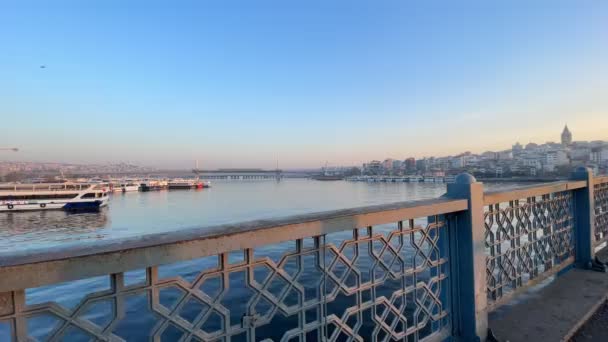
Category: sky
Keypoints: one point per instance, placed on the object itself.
(249, 83)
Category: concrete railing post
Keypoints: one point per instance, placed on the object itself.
(584, 216)
(468, 261)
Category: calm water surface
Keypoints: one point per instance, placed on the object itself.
(135, 214)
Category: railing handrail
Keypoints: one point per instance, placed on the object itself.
(29, 269)
(600, 179)
(511, 194)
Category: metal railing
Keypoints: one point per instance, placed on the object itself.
(310, 277)
(529, 236)
(600, 194)
(409, 271)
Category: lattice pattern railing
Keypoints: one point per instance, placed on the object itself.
(382, 283)
(526, 238)
(600, 196)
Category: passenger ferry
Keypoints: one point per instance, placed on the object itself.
(52, 196)
(125, 186)
(180, 183)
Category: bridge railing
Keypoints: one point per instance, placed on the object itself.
(368, 273)
(600, 194)
(421, 270)
(529, 236)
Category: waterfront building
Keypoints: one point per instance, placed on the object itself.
(457, 162)
(410, 164)
(580, 153)
(472, 161)
(532, 161)
(600, 156)
(397, 165)
(554, 159)
(422, 164)
(388, 164)
(373, 168)
(549, 158)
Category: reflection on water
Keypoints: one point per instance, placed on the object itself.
(24, 227)
(136, 214)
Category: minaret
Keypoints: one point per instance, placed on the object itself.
(566, 137)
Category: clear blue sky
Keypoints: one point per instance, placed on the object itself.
(242, 83)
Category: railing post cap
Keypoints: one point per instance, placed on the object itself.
(582, 172)
(465, 178)
(582, 169)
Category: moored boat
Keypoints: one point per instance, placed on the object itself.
(326, 177)
(127, 185)
(49, 196)
(151, 185)
(328, 174)
(180, 183)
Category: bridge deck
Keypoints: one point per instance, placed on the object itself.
(551, 312)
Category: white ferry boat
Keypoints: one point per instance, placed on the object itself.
(125, 186)
(181, 184)
(49, 196)
(130, 186)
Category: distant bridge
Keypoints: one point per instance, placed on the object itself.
(236, 171)
(239, 174)
(244, 174)
(235, 174)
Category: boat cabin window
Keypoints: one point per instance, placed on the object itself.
(89, 195)
(37, 197)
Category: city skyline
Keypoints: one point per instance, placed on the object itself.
(570, 139)
(242, 84)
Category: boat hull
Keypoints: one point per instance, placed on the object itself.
(146, 188)
(78, 205)
(130, 188)
(181, 186)
(328, 178)
(83, 206)
(189, 185)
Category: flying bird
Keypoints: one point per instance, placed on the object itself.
(43, 67)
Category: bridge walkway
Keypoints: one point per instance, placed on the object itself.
(570, 308)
